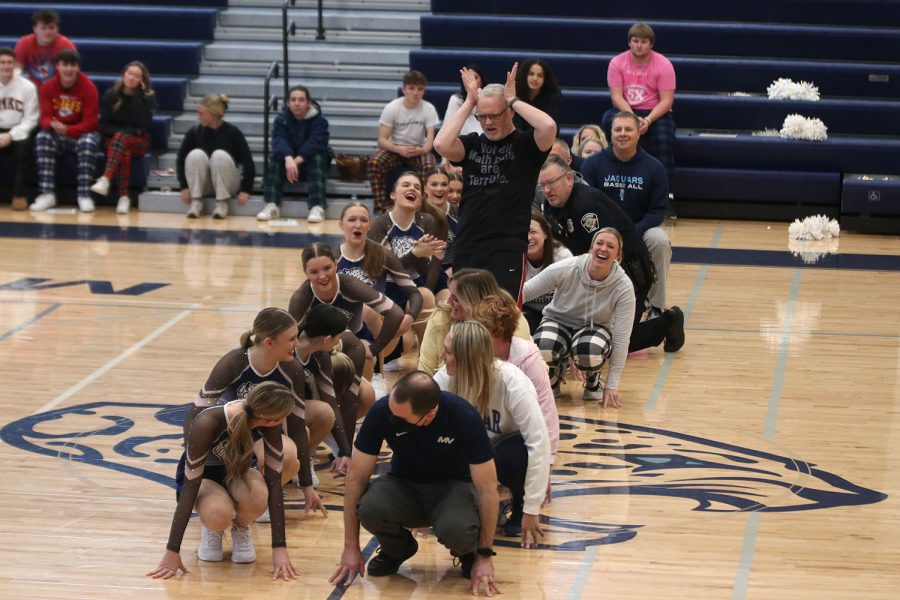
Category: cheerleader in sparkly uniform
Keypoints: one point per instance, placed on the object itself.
(324, 285)
(224, 489)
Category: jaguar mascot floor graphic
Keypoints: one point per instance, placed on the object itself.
(622, 470)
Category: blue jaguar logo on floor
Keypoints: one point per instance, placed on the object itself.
(619, 467)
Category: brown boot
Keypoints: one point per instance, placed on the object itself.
(19, 203)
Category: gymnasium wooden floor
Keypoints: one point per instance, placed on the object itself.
(759, 462)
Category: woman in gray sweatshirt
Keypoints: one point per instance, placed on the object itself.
(589, 318)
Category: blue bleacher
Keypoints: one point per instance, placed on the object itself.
(129, 22)
(825, 12)
(849, 49)
(184, 3)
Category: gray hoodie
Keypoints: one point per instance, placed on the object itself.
(580, 301)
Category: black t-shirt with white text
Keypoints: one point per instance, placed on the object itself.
(499, 178)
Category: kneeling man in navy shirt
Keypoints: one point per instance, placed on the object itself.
(442, 475)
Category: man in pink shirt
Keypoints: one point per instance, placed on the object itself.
(36, 52)
(643, 82)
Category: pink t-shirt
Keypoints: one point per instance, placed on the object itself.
(641, 85)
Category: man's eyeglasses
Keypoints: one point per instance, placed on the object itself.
(550, 182)
(494, 117)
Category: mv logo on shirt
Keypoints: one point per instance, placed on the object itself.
(443, 439)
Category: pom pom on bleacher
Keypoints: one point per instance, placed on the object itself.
(786, 89)
(798, 127)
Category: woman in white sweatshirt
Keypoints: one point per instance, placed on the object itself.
(589, 318)
(507, 401)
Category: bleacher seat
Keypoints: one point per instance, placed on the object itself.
(825, 12)
(129, 22)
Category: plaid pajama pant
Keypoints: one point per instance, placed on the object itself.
(49, 144)
(659, 141)
(383, 162)
(120, 148)
(588, 346)
(314, 171)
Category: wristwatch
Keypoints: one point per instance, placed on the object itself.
(485, 552)
(513, 101)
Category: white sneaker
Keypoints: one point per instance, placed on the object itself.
(221, 209)
(263, 518)
(379, 386)
(195, 210)
(86, 205)
(242, 550)
(316, 215)
(43, 202)
(101, 186)
(392, 366)
(210, 548)
(271, 211)
(332, 443)
(123, 205)
(312, 470)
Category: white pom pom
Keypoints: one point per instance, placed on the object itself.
(816, 227)
(798, 127)
(785, 89)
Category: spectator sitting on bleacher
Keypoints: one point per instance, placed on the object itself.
(68, 125)
(126, 112)
(536, 84)
(37, 52)
(19, 113)
(643, 82)
(627, 173)
(471, 123)
(583, 133)
(405, 137)
(299, 151)
(592, 145)
(209, 159)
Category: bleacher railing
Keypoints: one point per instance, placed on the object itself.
(287, 27)
(270, 102)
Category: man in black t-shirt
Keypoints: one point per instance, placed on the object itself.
(442, 475)
(500, 169)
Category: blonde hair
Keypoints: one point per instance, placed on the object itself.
(473, 351)
(216, 104)
(269, 323)
(269, 401)
(576, 140)
(343, 372)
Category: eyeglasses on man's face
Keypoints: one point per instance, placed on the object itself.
(493, 117)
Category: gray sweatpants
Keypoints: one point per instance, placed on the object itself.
(211, 175)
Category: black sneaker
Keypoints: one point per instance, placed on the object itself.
(513, 525)
(674, 330)
(465, 563)
(383, 564)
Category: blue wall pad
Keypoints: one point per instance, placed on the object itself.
(871, 195)
(745, 185)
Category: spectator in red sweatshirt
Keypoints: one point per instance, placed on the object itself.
(68, 125)
(37, 52)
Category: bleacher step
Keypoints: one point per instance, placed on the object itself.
(256, 34)
(391, 73)
(299, 54)
(170, 202)
(335, 20)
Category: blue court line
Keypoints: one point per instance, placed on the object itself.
(656, 391)
(884, 336)
(745, 562)
(30, 321)
(282, 239)
(339, 590)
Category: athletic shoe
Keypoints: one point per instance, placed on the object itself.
(654, 313)
(316, 215)
(379, 386)
(221, 209)
(593, 387)
(86, 205)
(242, 550)
(383, 564)
(674, 330)
(312, 470)
(101, 186)
(123, 205)
(556, 391)
(332, 443)
(210, 548)
(19, 203)
(269, 212)
(466, 561)
(195, 210)
(391, 366)
(264, 518)
(43, 202)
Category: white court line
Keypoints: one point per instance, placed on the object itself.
(114, 362)
(87, 585)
